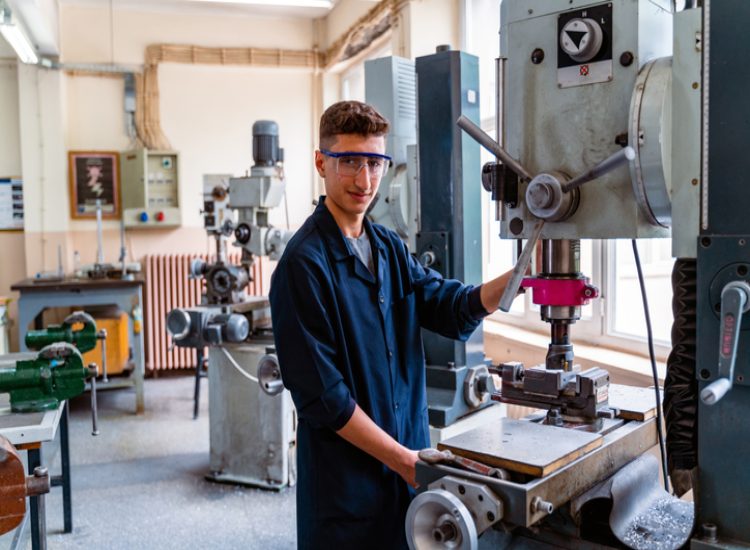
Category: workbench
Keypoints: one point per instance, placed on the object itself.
(27, 432)
(37, 296)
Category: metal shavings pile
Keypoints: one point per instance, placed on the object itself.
(666, 525)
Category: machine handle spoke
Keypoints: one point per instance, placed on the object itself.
(481, 137)
(519, 271)
(735, 300)
(623, 156)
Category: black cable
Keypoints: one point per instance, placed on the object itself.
(652, 355)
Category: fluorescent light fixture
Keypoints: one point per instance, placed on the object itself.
(17, 39)
(325, 4)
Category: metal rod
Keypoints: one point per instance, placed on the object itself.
(561, 257)
(559, 333)
(123, 249)
(519, 271)
(481, 137)
(65, 469)
(103, 338)
(623, 156)
(94, 410)
(99, 245)
(60, 271)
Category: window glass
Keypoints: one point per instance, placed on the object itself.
(656, 261)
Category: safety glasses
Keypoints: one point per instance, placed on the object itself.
(350, 163)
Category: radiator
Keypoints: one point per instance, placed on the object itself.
(168, 287)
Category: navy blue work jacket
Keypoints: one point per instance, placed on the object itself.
(346, 336)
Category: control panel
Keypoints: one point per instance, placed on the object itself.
(150, 189)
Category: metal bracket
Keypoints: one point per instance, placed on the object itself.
(485, 506)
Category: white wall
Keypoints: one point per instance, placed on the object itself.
(207, 111)
(10, 151)
(11, 242)
(211, 126)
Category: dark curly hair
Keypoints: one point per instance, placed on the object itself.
(350, 117)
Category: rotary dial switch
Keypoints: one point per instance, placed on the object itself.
(581, 39)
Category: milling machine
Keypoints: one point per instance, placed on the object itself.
(251, 416)
(608, 128)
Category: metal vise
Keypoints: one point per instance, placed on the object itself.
(40, 383)
(578, 396)
(84, 338)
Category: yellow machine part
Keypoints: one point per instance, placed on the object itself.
(118, 345)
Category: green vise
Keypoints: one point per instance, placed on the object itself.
(41, 382)
(84, 338)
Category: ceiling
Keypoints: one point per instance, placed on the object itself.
(280, 8)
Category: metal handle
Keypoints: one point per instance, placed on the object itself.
(102, 335)
(623, 156)
(519, 271)
(94, 409)
(735, 300)
(481, 137)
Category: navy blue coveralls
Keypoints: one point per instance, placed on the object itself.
(344, 336)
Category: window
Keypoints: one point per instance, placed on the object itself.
(626, 316)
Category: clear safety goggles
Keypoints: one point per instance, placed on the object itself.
(350, 163)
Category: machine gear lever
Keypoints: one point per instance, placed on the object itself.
(550, 196)
(735, 300)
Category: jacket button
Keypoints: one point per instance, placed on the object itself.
(390, 354)
(395, 405)
(382, 299)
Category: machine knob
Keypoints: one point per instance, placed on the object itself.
(269, 375)
(143, 217)
(735, 300)
(581, 39)
(242, 233)
(160, 216)
(427, 258)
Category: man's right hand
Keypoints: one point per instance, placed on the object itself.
(405, 464)
(364, 434)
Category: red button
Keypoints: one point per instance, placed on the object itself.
(160, 216)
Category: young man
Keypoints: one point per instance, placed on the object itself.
(348, 302)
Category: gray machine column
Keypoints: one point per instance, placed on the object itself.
(449, 238)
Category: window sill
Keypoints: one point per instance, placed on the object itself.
(504, 342)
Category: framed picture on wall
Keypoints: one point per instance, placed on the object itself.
(94, 176)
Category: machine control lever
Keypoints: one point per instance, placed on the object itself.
(94, 409)
(623, 156)
(102, 336)
(735, 300)
(435, 456)
(481, 137)
(521, 267)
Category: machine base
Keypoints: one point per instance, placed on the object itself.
(252, 434)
